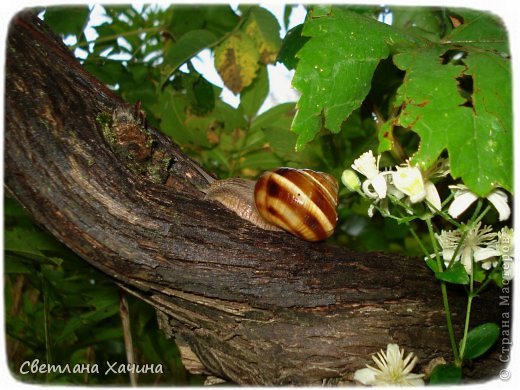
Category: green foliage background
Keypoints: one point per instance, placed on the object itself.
(437, 82)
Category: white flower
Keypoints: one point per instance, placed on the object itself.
(409, 180)
(504, 247)
(392, 369)
(479, 245)
(465, 198)
(375, 185)
(351, 180)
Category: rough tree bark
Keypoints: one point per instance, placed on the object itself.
(250, 306)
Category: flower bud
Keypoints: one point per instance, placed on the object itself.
(350, 180)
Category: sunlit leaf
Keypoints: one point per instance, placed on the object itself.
(236, 60)
(263, 28)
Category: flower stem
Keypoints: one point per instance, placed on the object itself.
(416, 236)
(444, 292)
(468, 315)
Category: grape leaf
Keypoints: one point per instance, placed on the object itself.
(476, 131)
(236, 60)
(263, 28)
(480, 29)
(291, 44)
(334, 85)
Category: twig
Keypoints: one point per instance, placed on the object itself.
(127, 335)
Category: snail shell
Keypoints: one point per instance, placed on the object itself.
(300, 201)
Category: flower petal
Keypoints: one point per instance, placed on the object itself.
(365, 376)
(432, 196)
(414, 380)
(461, 203)
(481, 254)
(499, 200)
(467, 259)
(379, 185)
(366, 165)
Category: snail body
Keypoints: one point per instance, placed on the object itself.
(300, 201)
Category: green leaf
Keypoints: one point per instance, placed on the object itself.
(292, 43)
(455, 274)
(476, 131)
(480, 29)
(422, 21)
(432, 264)
(263, 28)
(186, 47)
(200, 92)
(446, 374)
(260, 160)
(67, 20)
(279, 116)
(481, 339)
(236, 61)
(287, 10)
(219, 19)
(252, 97)
(385, 136)
(335, 69)
(29, 242)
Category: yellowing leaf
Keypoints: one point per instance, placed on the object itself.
(236, 60)
(263, 28)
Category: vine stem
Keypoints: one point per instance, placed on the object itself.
(444, 292)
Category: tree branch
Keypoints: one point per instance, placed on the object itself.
(255, 307)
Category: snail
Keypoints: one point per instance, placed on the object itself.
(300, 201)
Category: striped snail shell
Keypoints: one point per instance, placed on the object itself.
(300, 201)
